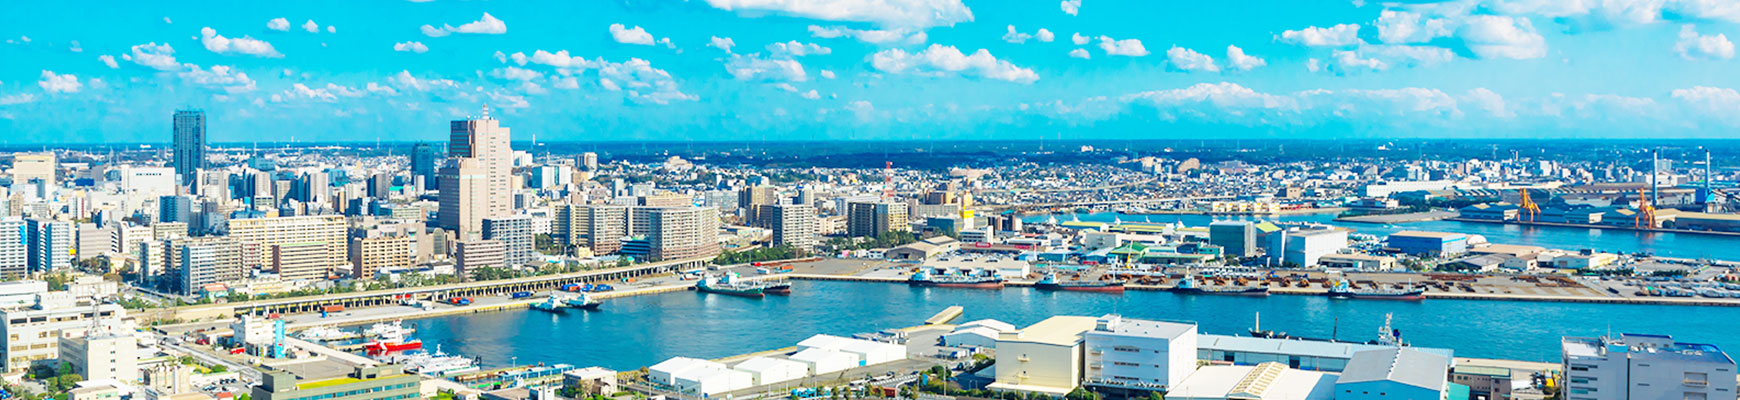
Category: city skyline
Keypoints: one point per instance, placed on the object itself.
(884, 70)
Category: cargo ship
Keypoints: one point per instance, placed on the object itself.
(1188, 285)
(584, 302)
(1050, 282)
(1344, 290)
(923, 278)
(729, 285)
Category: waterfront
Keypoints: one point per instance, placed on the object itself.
(633, 332)
(1683, 245)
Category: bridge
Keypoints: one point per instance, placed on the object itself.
(307, 304)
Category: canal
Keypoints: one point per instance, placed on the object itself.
(633, 332)
(1666, 244)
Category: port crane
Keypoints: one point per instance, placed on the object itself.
(1645, 217)
(1528, 207)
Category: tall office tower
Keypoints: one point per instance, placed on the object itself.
(515, 234)
(874, 219)
(380, 185)
(678, 233)
(175, 209)
(588, 161)
(464, 189)
(794, 225)
(750, 200)
(425, 162)
(189, 145)
(51, 244)
(206, 261)
(14, 245)
(485, 140)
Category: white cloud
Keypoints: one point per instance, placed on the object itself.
(827, 74)
(642, 82)
(244, 45)
(796, 49)
(1335, 36)
(311, 27)
(108, 60)
(812, 95)
(331, 29)
(917, 14)
(412, 46)
(1411, 27)
(59, 83)
(515, 74)
(156, 56)
(1237, 59)
(219, 76)
(1369, 57)
(721, 43)
(278, 24)
(76, 47)
(1015, 37)
(630, 36)
(167, 21)
(404, 80)
(1126, 47)
(786, 87)
(1692, 46)
(1071, 7)
(381, 89)
(565, 82)
(1079, 39)
(1720, 103)
(1492, 36)
(1485, 100)
(1045, 35)
(488, 25)
(1190, 61)
(1080, 53)
(1348, 61)
(940, 60)
(559, 59)
(1231, 103)
(327, 94)
(19, 98)
(753, 67)
(881, 37)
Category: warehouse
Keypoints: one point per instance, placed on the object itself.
(768, 370)
(822, 361)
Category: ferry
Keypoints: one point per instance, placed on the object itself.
(584, 302)
(923, 278)
(435, 364)
(729, 285)
(1344, 290)
(1050, 282)
(1188, 285)
(552, 304)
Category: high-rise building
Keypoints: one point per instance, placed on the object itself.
(14, 248)
(793, 225)
(464, 197)
(175, 209)
(588, 161)
(327, 230)
(378, 252)
(189, 144)
(874, 219)
(678, 233)
(425, 162)
(604, 227)
(299, 261)
(27, 167)
(485, 140)
(380, 185)
(207, 261)
(51, 244)
(515, 234)
(750, 200)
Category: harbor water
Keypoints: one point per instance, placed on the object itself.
(1682, 245)
(634, 332)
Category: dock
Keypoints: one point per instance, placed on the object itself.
(948, 314)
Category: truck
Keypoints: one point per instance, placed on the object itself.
(332, 308)
(520, 295)
(459, 301)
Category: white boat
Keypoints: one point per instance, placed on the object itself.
(324, 333)
(388, 329)
(435, 364)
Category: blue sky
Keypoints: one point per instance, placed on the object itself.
(82, 72)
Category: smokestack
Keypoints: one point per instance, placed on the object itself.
(1709, 190)
(1655, 176)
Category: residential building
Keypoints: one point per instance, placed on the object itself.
(515, 234)
(470, 255)
(375, 253)
(380, 382)
(1046, 357)
(189, 127)
(299, 261)
(1132, 355)
(1638, 366)
(793, 225)
(1237, 238)
(874, 219)
(604, 227)
(678, 233)
(175, 209)
(50, 244)
(207, 261)
(328, 230)
(750, 200)
(33, 334)
(14, 248)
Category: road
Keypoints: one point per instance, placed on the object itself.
(250, 376)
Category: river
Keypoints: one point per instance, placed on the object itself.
(1684, 245)
(639, 331)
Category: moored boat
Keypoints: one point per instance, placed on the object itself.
(1188, 285)
(1050, 282)
(923, 278)
(780, 288)
(584, 302)
(729, 285)
(1344, 290)
(392, 344)
(551, 304)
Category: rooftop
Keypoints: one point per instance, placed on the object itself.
(1116, 325)
(1439, 235)
(1309, 348)
(1269, 381)
(1062, 330)
(1397, 364)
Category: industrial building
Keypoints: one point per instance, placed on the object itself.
(1134, 355)
(1428, 243)
(1637, 366)
(1046, 357)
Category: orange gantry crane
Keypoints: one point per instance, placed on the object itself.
(1645, 217)
(1529, 210)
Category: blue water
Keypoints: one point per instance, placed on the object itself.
(633, 332)
(1608, 240)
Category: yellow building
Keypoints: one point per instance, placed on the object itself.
(328, 230)
(1045, 357)
(370, 254)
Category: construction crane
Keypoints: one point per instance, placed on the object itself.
(1645, 217)
(1528, 207)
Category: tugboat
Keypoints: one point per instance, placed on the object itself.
(1050, 282)
(1189, 286)
(923, 278)
(1344, 290)
(584, 302)
(552, 305)
(729, 285)
(782, 288)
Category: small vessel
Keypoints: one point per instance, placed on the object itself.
(435, 364)
(1188, 285)
(584, 302)
(1344, 290)
(1050, 282)
(551, 304)
(389, 344)
(729, 285)
(388, 329)
(923, 278)
(325, 333)
(782, 288)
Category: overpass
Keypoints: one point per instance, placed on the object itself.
(306, 304)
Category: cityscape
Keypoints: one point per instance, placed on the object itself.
(863, 210)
